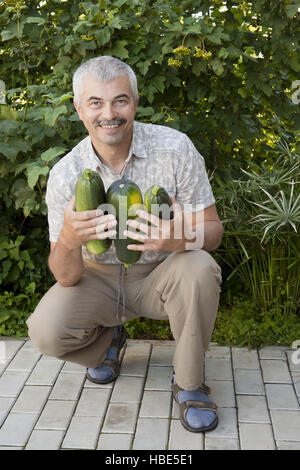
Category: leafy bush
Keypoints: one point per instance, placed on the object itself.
(222, 72)
(245, 325)
(261, 244)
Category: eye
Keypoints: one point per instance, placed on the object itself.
(121, 101)
(95, 103)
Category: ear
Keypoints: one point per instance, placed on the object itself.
(136, 103)
(77, 107)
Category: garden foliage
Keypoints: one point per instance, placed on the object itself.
(224, 72)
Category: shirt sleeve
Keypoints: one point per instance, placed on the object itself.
(57, 197)
(193, 189)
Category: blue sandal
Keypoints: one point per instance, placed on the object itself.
(185, 405)
(117, 343)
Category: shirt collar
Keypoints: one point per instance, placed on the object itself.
(137, 147)
(138, 144)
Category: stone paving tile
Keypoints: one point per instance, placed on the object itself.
(275, 371)
(120, 418)
(252, 409)
(244, 359)
(31, 399)
(67, 386)
(134, 365)
(293, 360)
(11, 348)
(45, 372)
(218, 368)
(157, 428)
(248, 382)
(42, 439)
(256, 436)
(12, 382)
(114, 441)
(218, 351)
(227, 426)
(10, 448)
(6, 404)
(162, 355)
(181, 438)
(286, 425)
(281, 397)
(56, 415)
(296, 381)
(156, 404)
(138, 348)
(24, 360)
(82, 433)
(93, 402)
(222, 393)
(73, 368)
(127, 390)
(216, 443)
(272, 352)
(288, 445)
(159, 378)
(17, 428)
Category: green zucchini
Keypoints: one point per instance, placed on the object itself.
(122, 195)
(156, 196)
(90, 194)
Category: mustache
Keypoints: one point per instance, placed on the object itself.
(117, 121)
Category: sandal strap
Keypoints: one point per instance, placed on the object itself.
(177, 389)
(200, 405)
(114, 364)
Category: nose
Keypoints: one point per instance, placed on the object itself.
(107, 112)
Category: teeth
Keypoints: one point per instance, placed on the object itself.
(110, 127)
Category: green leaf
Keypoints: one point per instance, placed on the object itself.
(223, 53)
(13, 30)
(102, 36)
(5, 316)
(292, 10)
(8, 151)
(118, 50)
(144, 66)
(51, 115)
(217, 67)
(35, 19)
(147, 111)
(7, 112)
(33, 173)
(51, 153)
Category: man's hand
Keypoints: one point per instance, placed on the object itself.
(161, 235)
(80, 227)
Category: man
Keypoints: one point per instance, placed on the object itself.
(76, 320)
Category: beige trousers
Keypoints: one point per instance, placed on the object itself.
(76, 323)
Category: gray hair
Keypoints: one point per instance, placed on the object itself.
(105, 68)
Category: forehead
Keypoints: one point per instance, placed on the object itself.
(92, 86)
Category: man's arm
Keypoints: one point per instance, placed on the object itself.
(65, 259)
(208, 229)
(66, 264)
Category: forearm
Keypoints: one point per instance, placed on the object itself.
(206, 235)
(66, 263)
(213, 233)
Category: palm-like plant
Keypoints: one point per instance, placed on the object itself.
(261, 243)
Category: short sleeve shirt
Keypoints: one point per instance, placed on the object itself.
(158, 155)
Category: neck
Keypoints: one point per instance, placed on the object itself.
(113, 156)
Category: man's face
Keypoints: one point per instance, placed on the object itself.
(107, 110)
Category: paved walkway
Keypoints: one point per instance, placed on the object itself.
(46, 403)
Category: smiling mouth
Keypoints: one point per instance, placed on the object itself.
(110, 124)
